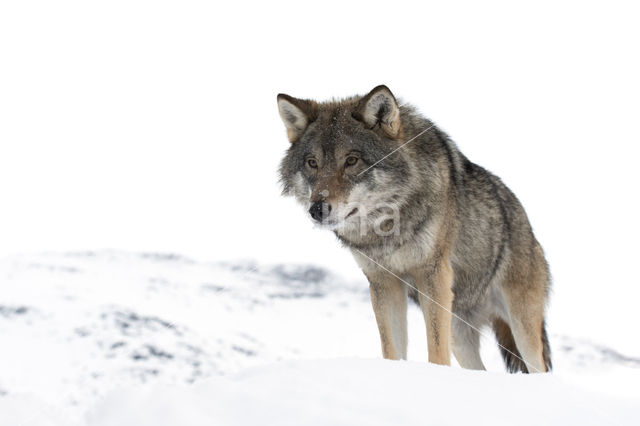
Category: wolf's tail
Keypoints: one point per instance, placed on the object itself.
(509, 351)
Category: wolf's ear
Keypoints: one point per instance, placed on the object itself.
(379, 107)
(296, 114)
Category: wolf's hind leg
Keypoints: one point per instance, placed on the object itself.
(389, 300)
(526, 321)
(466, 345)
(507, 345)
(528, 337)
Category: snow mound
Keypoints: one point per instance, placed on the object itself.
(76, 326)
(370, 392)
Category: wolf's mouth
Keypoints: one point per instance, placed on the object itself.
(354, 211)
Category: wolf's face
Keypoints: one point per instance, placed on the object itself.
(333, 166)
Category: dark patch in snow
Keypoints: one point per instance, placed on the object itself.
(131, 324)
(11, 311)
(243, 350)
(586, 353)
(150, 351)
(117, 345)
(243, 266)
(618, 357)
(298, 282)
(216, 288)
(297, 274)
(82, 332)
(142, 347)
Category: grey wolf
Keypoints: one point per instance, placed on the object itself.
(423, 222)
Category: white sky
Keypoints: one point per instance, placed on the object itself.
(146, 125)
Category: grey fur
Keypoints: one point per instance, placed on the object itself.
(494, 255)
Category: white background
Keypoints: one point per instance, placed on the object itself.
(153, 126)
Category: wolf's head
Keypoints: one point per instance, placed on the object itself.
(342, 165)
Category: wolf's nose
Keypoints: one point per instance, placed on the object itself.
(319, 210)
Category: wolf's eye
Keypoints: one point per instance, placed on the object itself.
(312, 163)
(351, 160)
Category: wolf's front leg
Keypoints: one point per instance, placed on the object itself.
(389, 300)
(436, 299)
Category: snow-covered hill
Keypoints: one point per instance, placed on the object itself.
(364, 392)
(76, 326)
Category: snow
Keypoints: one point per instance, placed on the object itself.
(103, 332)
(360, 391)
(370, 392)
